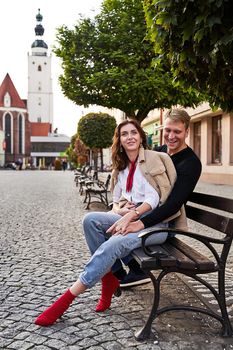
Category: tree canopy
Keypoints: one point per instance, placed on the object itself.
(107, 61)
(197, 38)
(96, 130)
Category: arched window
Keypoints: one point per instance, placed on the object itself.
(20, 134)
(39, 68)
(8, 133)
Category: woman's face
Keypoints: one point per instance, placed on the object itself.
(130, 138)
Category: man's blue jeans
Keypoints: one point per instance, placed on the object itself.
(106, 249)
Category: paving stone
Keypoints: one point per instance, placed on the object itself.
(43, 251)
(21, 345)
(55, 343)
(112, 346)
(36, 339)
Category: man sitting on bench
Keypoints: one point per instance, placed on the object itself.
(188, 168)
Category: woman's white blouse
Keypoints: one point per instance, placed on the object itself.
(141, 191)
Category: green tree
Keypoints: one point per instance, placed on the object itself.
(108, 62)
(77, 152)
(70, 151)
(197, 38)
(96, 131)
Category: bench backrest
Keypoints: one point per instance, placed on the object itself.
(219, 222)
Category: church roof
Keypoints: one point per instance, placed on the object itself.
(8, 86)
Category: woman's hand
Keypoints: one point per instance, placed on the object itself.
(120, 225)
(126, 209)
(125, 225)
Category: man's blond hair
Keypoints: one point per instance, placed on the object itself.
(178, 114)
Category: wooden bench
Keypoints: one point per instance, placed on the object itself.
(97, 190)
(176, 256)
(80, 180)
(79, 173)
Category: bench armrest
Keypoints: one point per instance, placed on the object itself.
(206, 240)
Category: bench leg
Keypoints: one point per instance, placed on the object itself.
(227, 330)
(144, 332)
(89, 200)
(106, 199)
(103, 199)
(85, 199)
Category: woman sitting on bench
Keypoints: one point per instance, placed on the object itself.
(142, 179)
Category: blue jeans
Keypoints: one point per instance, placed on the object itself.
(106, 249)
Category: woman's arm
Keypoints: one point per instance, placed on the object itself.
(151, 201)
(117, 192)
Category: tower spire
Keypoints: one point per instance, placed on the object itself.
(39, 31)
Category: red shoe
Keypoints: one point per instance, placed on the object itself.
(110, 286)
(56, 310)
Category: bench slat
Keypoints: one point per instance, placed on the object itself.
(213, 220)
(182, 260)
(201, 262)
(146, 262)
(225, 204)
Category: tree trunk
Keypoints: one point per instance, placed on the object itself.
(101, 160)
(95, 158)
(142, 114)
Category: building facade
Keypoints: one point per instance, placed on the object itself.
(2, 148)
(210, 138)
(45, 149)
(14, 123)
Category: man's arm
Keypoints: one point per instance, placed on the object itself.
(188, 173)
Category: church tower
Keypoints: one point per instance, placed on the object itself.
(40, 95)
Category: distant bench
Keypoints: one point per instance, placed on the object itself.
(176, 256)
(96, 189)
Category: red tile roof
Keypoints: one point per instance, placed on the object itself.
(8, 86)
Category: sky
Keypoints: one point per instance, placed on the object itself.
(18, 20)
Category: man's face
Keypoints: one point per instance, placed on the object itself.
(175, 135)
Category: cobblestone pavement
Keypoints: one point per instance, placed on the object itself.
(42, 251)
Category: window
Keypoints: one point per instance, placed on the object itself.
(197, 138)
(231, 140)
(7, 100)
(217, 140)
(8, 133)
(39, 69)
(39, 120)
(20, 134)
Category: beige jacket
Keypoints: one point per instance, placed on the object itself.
(159, 170)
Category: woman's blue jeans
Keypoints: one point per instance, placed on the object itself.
(106, 249)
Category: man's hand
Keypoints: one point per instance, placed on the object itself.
(134, 226)
(125, 225)
(120, 225)
(126, 209)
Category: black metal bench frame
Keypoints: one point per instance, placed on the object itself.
(97, 190)
(176, 256)
(81, 175)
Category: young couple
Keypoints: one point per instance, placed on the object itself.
(149, 190)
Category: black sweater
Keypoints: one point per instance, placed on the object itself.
(188, 169)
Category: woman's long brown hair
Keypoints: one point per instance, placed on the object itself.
(119, 156)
